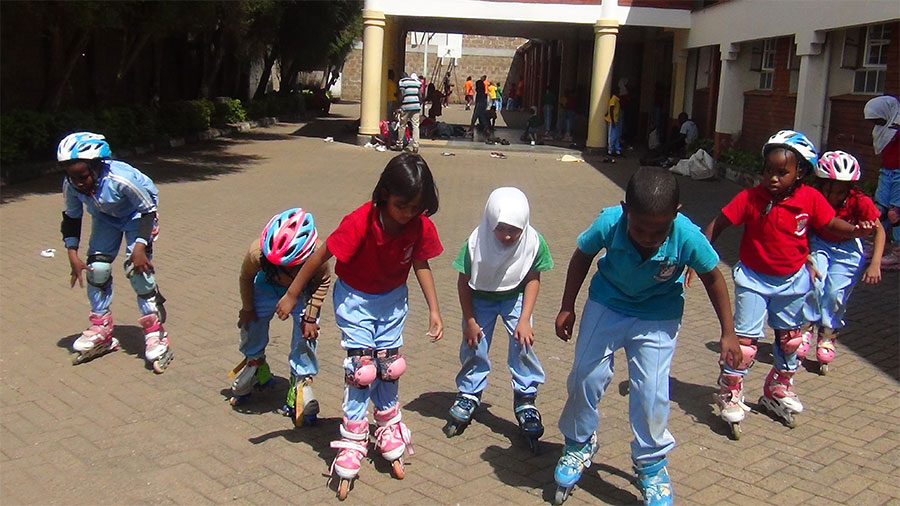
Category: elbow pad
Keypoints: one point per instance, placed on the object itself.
(145, 226)
(70, 227)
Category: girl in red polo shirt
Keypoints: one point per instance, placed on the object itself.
(375, 247)
(839, 260)
(771, 278)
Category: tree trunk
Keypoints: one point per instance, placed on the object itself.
(130, 51)
(53, 99)
(268, 61)
(212, 64)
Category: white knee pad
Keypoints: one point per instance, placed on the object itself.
(391, 364)
(100, 272)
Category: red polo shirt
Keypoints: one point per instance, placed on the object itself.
(372, 261)
(858, 207)
(775, 244)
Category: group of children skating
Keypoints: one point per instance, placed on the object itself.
(785, 275)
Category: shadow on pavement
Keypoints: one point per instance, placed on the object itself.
(131, 340)
(341, 128)
(318, 438)
(697, 401)
(196, 162)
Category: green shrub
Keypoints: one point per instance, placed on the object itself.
(741, 159)
(699, 143)
(26, 135)
(276, 104)
(187, 116)
(228, 111)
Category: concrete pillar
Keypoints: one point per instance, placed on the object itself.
(605, 33)
(730, 104)
(372, 77)
(812, 87)
(391, 39)
(679, 72)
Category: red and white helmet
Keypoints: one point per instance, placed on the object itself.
(839, 166)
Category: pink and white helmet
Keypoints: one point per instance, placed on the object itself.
(289, 238)
(839, 166)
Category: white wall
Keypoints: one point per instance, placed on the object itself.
(743, 20)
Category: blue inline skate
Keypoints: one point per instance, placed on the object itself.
(575, 459)
(461, 413)
(653, 478)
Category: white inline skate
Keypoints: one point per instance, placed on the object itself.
(730, 401)
(779, 398)
(96, 340)
(301, 404)
(249, 375)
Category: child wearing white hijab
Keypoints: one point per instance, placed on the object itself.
(500, 269)
(884, 112)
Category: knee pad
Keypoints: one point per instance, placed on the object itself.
(748, 352)
(100, 272)
(789, 340)
(143, 283)
(391, 364)
(359, 368)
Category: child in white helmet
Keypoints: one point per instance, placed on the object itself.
(122, 203)
(839, 261)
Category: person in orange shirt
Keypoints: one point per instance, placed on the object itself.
(469, 88)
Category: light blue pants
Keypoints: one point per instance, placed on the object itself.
(302, 359)
(613, 136)
(842, 265)
(523, 364)
(567, 123)
(649, 347)
(781, 298)
(887, 195)
(106, 240)
(370, 321)
(548, 117)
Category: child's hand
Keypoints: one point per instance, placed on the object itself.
(245, 316)
(731, 350)
(864, 228)
(139, 260)
(565, 322)
(310, 330)
(435, 327)
(285, 306)
(688, 275)
(77, 265)
(524, 334)
(872, 274)
(472, 333)
(814, 273)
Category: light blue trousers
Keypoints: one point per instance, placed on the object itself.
(649, 347)
(106, 240)
(842, 265)
(302, 359)
(370, 321)
(887, 195)
(524, 365)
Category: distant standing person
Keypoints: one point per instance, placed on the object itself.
(480, 111)
(391, 93)
(549, 100)
(410, 109)
(469, 89)
(446, 89)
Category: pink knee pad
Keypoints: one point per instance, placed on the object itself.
(359, 370)
(390, 367)
(748, 352)
(790, 340)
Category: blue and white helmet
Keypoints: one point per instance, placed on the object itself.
(795, 141)
(82, 146)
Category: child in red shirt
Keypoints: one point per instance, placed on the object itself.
(838, 260)
(771, 277)
(375, 247)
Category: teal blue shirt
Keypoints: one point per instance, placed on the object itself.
(648, 289)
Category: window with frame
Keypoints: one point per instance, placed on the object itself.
(767, 65)
(871, 67)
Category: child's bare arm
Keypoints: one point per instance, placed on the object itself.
(247, 313)
(717, 291)
(873, 272)
(579, 265)
(711, 232)
(289, 300)
(426, 281)
(844, 229)
(471, 329)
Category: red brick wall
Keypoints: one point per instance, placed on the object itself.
(892, 79)
(766, 112)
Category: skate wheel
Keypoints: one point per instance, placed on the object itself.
(162, 363)
(823, 369)
(397, 469)
(736, 431)
(790, 421)
(77, 358)
(343, 489)
(451, 429)
(534, 445)
(237, 400)
(309, 420)
(562, 493)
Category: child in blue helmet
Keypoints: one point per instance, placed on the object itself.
(636, 302)
(122, 202)
(268, 269)
(771, 279)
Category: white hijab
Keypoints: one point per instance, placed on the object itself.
(495, 267)
(888, 109)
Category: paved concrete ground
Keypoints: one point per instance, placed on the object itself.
(112, 432)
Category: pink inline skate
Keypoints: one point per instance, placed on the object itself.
(392, 437)
(353, 446)
(96, 340)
